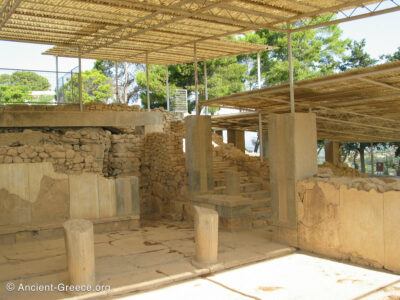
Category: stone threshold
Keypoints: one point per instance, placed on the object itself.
(198, 272)
(15, 234)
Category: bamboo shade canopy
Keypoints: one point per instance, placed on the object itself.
(132, 51)
(109, 28)
(358, 105)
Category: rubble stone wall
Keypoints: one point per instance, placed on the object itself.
(350, 218)
(165, 175)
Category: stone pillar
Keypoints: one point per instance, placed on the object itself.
(332, 152)
(293, 157)
(236, 137)
(79, 243)
(265, 145)
(127, 196)
(199, 153)
(206, 236)
(232, 182)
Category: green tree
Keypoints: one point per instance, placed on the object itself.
(32, 80)
(391, 57)
(95, 87)
(14, 94)
(5, 79)
(127, 87)
(224, 76)
(357, 57)
(316, 52)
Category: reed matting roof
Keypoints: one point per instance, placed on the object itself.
(108, 29)
(130, 51)
(358, 105)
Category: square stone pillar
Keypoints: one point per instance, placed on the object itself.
(236, 137)
(293, 157)
(199, 154)
(332, 152)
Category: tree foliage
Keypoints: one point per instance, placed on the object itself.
(18, 86)
(316, 52)
(33, 81)
(95, 87)
(14, 94)
(391, 57)
(224, 76)
(128, 90)
(357, 57)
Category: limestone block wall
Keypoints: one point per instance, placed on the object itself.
(355, 219)
(34, 194)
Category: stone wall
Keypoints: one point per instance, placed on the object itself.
(165, 176)
(109, 152)
(354, 219)
(33, 194)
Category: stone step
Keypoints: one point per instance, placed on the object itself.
(263, 223)
(262, 213)
(246, 188)
(250, 187)
(257, 194)
(261, 203)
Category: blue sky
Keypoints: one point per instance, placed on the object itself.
(381, 33)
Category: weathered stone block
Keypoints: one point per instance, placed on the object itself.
(107, 202)
(83, 196)
(232, 182)
(127, 196)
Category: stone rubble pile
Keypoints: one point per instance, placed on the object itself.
(341, 170)
(366, 184)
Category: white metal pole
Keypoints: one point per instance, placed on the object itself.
(167, 84)
(259, 70)
(260, 139)
(372, 159)
(80, 81)
(205, 84)
(196, 80)
(116, 82)
(290, 58)
(147, 81)
(57, 87)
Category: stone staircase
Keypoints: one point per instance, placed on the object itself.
(250, 187)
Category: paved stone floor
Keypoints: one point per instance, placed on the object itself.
(294, 276)
(157, 254)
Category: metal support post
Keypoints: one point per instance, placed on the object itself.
(167, 85)
(372, 159)
(147, 81)
(260, 139)
(205, 84)
(80, 81)
(196, 88)
(259, 70)
(57, 87)
(290, 58)
(116, 82)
